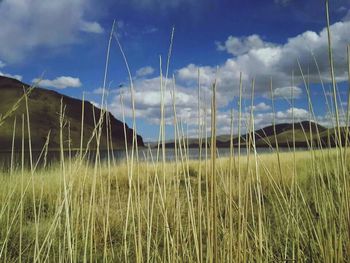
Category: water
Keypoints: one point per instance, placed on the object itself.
(120, 155)
(193, 153)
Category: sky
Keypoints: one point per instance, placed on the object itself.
(64, 44)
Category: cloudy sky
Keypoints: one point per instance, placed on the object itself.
(64, 43)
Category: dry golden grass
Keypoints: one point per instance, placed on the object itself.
(303, 216)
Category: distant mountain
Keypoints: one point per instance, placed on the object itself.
(44, 109)
(305, 133)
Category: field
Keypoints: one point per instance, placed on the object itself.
(269, 207)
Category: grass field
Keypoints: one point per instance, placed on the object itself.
(296, 208)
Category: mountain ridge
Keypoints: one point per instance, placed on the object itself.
(305, 133)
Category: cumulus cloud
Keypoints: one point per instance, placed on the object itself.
(148, 99)
(91, 27)
(287, 92)
(144, 71)
(29, 25)
(299, 114)
(18, 77)
(2, 64)
(265, 61)
(262, 106)
(62, 82)
(241, 45)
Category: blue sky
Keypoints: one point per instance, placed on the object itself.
(65, 42)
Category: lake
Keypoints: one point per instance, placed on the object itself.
(120, 155)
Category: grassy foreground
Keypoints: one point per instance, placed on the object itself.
(270, 207)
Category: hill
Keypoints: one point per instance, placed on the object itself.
(305, 133)
(44, 109)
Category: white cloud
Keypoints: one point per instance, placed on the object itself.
(18, 77)
(144, 71)
(30, 25)
(299, 114)
(286, 92)
(241, 45)
(148, 98)
(59, 82)
(2, 64)
(265, 61)
(91, 27)
(262, 106)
